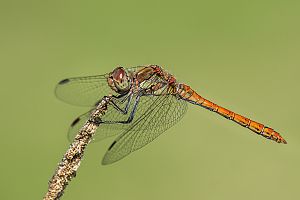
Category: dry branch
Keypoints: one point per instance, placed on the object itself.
(66, 169)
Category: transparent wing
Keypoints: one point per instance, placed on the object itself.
(104, 131)
(83, 91)
(156, 116)
(86, 90)
(107, 130)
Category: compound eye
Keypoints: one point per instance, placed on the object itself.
(118, 74)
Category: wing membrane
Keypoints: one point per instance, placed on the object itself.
(107, 130)
(104, 131)
(83, 91)
(160, 115)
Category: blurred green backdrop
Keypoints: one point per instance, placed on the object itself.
(243, 55)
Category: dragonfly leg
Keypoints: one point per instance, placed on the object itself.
(120, 98)
(125, 110)
(131, 116)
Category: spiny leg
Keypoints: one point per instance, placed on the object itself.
(115, 105)
(131, 116)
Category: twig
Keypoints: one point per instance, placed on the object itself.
(66, 169)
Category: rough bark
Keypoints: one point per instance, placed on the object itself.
(67, 168)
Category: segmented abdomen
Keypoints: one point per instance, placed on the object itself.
(188, 94)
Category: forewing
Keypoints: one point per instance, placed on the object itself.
(161, 113)
(107, 130)
(83, 91)
(103, 131)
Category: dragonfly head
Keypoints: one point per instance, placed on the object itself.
(119, 81)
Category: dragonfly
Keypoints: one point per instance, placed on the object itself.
(146, 101)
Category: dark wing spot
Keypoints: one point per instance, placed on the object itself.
(64, 81)
(75, 121)
(111, 146)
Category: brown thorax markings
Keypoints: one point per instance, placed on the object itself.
(155, 81)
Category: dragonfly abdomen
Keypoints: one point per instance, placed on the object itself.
(188, 94)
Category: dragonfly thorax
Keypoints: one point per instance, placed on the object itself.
(119, 81)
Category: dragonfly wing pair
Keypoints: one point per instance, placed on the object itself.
(83, 91)
(152, 119)
(154, 115)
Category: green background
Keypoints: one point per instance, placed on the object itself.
(243, 55)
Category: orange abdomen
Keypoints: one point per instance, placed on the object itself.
(188, 94)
